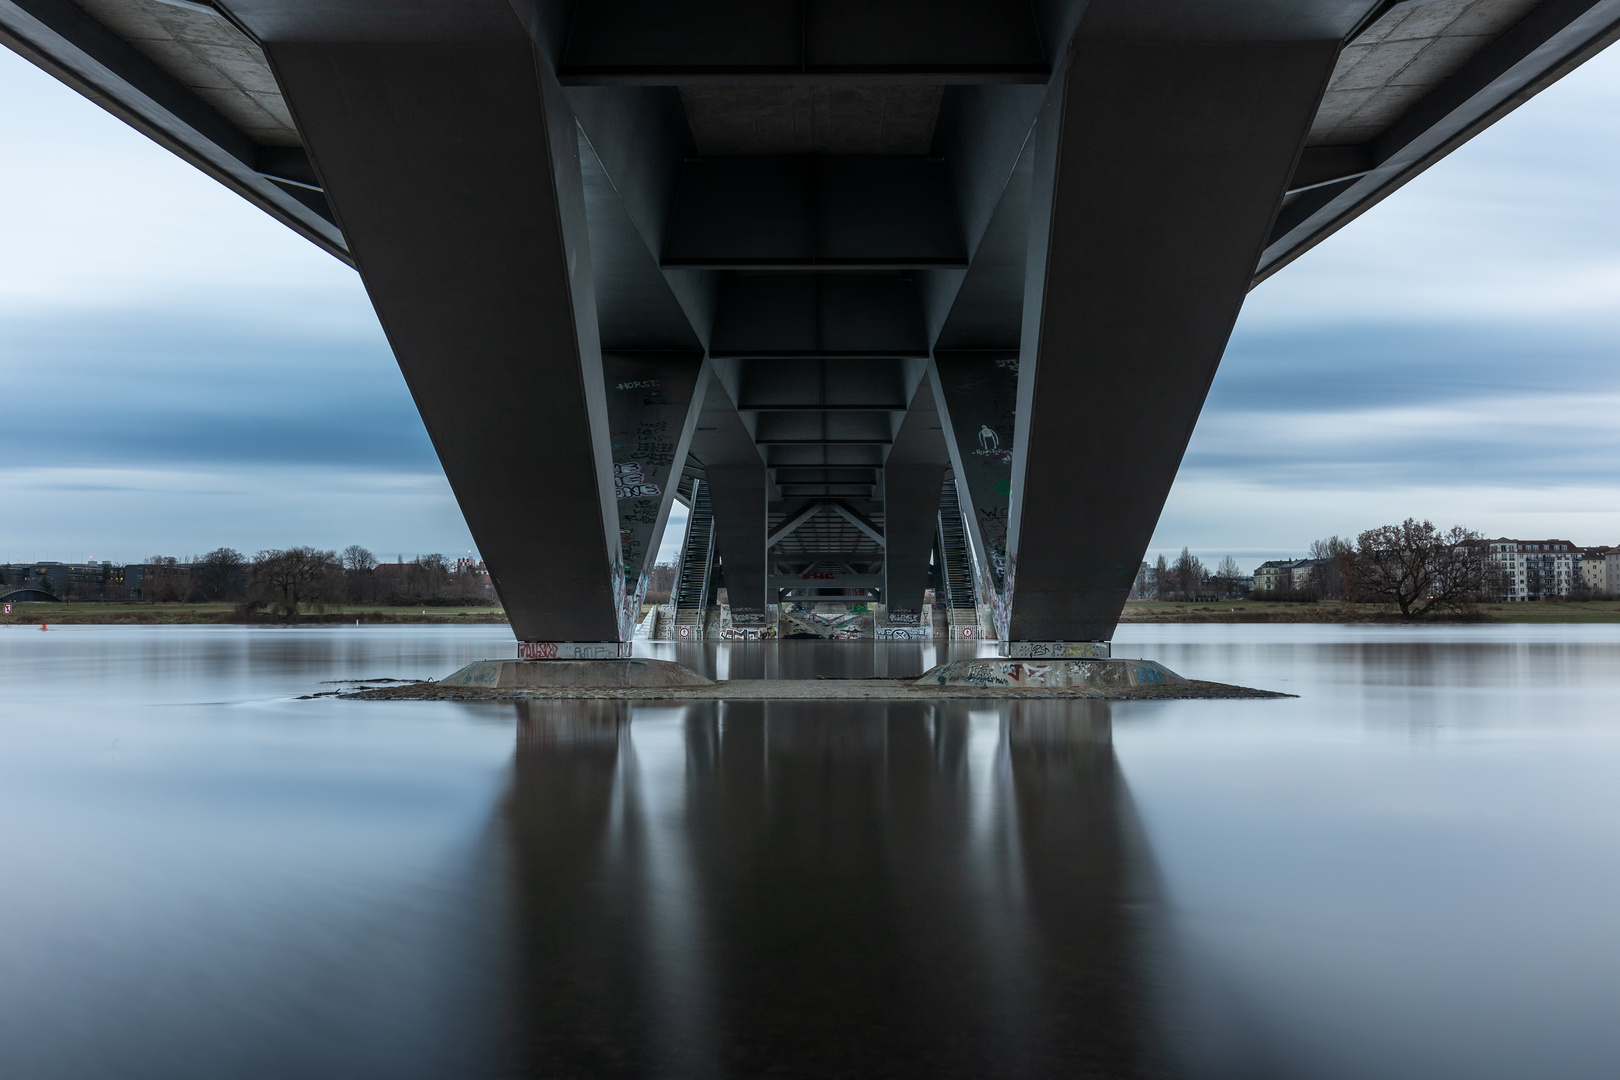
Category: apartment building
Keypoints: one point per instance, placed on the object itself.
(1595, 569)
(1278, 574)
(1536, 569)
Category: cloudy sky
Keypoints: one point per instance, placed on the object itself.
(180, 372)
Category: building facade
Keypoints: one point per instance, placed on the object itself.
(1536, 569)
(1594, 571)
(1278, 575)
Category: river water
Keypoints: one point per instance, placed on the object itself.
(1410, 870)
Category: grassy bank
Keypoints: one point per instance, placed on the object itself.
(1237, 611)
(1339, 611)
(210, 614)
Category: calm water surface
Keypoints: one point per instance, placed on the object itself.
(1411, 870)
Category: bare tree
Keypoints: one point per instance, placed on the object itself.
(1328, 574)
(359, 572)
(1189, 574)
(1418, 569)
(661, 583)
(1161, 579)
(161, 582)
(432, 574)
(221, 574)
(284, 580)
(1230, 575)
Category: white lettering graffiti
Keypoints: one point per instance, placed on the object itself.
(630, 483)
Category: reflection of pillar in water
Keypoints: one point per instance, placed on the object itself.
(574, 996)
(1087, 891)
(882, 889)
(608, 979)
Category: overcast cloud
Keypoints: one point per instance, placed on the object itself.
(181, 372)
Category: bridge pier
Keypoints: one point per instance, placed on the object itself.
(484, 229)
(1067, 272)
(1159, 167)
(978, 397)
(912, 474)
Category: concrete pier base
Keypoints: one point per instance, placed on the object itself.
(1054, 674)
(582, 674)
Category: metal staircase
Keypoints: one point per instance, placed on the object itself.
(697, 561)
(957, 562)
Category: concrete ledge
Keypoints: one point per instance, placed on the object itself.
(581, 674)
(1117, 680)
(1115, 674)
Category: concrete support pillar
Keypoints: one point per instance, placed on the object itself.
(738, 495)
(653, 404)
(453, 167)
(910, 520)
(912, 475)
(977, 395)
(1160, 162)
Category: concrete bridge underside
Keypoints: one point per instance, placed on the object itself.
(820, 254)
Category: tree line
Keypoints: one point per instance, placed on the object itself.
(1413, 569)
(284, 581)
(1188, 579)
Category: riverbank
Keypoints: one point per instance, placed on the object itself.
(93, 614)
(1340, 611)
(1136, 611)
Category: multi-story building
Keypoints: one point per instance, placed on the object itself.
(1276, 575)
(1594, 570)
(100, 581)
(1536, 569)
(1302, 574)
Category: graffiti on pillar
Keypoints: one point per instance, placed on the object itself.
(647, 404)
(979, 393)
(629, 482)
(1001, 599)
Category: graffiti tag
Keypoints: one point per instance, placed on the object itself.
(630, 482)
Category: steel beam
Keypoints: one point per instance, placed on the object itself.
(1134, 280)
(825, 212)
(643, 42)
(857, 520)
(1551, 41)
(823, 385)
(792, 524)
(59, 37)
(814, 579)
(809, 316)
(454, 167)
(987, 308)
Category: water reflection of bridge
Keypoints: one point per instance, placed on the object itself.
(739, 889)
